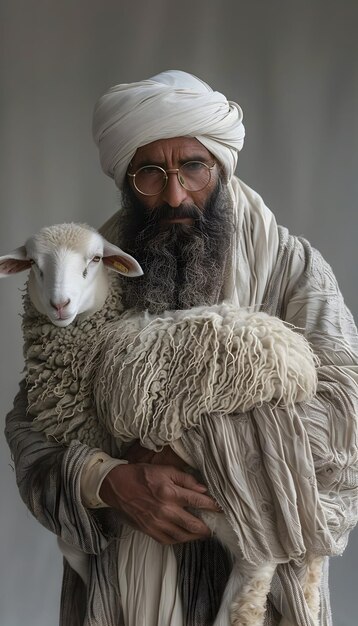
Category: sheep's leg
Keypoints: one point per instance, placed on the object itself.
(311, 586)
(249, 606)
(232, 591)
(222, 529)
(245, 596)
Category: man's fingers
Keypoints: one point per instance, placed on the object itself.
(177, 527)
(187, 497)
(192, 493)
(183, 479)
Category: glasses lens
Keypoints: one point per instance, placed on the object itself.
(194, 175)
(150, 180)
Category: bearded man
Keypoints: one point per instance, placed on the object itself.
(202, 237)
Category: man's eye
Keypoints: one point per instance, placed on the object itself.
(150, 171)
(194, 166)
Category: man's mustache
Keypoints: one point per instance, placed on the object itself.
(166, 212)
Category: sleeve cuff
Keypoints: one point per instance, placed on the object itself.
(93, 474)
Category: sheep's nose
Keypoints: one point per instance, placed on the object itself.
(60, 305)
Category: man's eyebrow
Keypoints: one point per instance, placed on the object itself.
(200, 157)
(197, 157)
(146, 163)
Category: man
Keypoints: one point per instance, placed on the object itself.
(201, 236)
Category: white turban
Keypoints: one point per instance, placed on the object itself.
(170, 104)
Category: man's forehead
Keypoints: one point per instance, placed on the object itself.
(164, 151)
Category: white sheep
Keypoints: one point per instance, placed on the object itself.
(67, 279)
(68, 270)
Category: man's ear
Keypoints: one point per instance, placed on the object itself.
(15, 262)
(118, 261)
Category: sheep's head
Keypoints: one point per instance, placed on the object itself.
(68, 275)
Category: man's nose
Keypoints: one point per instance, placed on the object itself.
(174, 194)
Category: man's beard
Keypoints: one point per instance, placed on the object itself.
(183, 264)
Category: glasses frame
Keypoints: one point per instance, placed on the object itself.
(166, 177)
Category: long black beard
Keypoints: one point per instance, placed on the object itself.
(183, 264)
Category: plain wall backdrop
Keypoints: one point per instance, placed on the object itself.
(292, 66)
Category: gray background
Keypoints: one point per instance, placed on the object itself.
(292, 65)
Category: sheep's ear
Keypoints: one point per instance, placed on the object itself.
(14, 262)
(118, 261)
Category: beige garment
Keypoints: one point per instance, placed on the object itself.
(147, 571)
(147, 576)
(94, 472)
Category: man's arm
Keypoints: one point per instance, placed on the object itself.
(331, 418)
(48, 476)
(151, 497)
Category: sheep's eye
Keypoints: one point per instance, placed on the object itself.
(96, 259)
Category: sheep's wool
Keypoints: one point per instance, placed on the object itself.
(180, 367)
(184, 365)
(55, 358)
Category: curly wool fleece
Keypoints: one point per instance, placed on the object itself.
(183, 365)
(179, 367)
(54, 360)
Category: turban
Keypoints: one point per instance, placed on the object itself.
(170, 104)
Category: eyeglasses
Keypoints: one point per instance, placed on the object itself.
(151, 180)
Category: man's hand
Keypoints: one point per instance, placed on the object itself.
(153, 498)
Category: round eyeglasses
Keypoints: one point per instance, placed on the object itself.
(151, 180)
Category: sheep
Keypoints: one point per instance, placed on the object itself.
(68, 275)
(68, 280)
